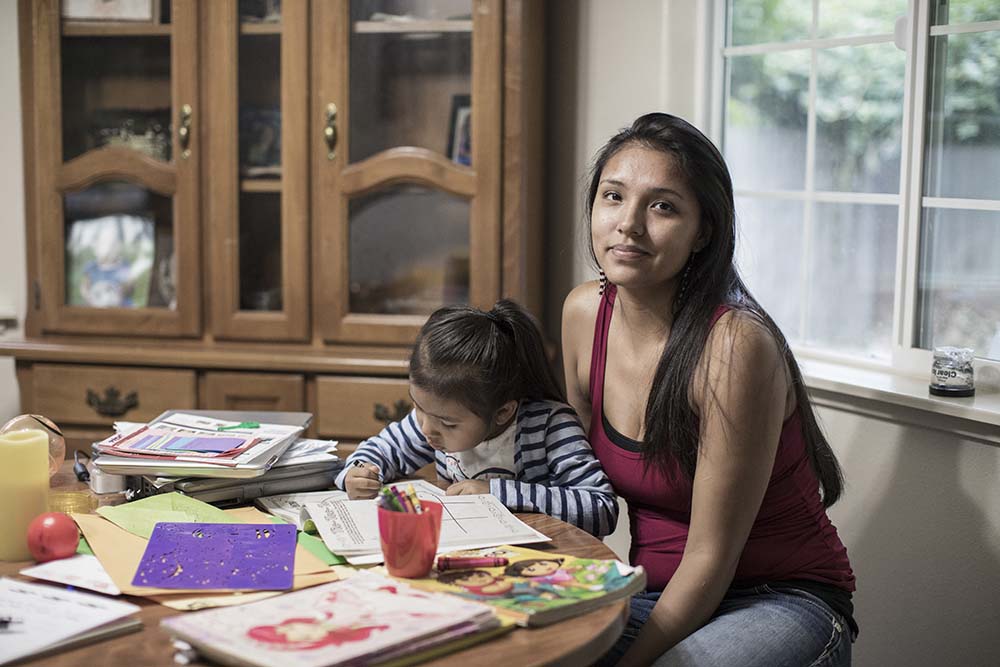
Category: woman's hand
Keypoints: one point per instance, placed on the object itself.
(362, 481)
(468, 487)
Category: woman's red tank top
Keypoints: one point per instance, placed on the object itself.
(791, 538)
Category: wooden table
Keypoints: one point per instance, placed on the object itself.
(573, 642)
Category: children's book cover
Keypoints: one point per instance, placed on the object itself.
(362, 620)
(538, 587)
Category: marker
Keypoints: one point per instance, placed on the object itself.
(460, 563)
(414, 499)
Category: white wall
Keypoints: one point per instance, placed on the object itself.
(12, 257)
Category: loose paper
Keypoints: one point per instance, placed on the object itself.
(140, 516)
(81, 571)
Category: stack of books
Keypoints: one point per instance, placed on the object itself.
(365, 620)
(199, 443)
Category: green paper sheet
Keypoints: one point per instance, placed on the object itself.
(140, 516)
(315, 546)
(83, 547)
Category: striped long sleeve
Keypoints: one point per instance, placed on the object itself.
(398, 451)
(559, 474)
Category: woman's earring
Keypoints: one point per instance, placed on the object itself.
(603, 280)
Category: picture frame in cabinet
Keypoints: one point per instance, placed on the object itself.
(109, 261)
(460, 130)
(135, 11)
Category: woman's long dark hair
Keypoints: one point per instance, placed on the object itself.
(483, 359)
(709, 279)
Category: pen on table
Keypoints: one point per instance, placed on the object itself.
(7, 621)
(459, 562)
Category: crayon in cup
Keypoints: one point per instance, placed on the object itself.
(462, 563)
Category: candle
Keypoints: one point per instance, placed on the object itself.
(24, 488)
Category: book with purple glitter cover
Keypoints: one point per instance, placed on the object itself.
(217, 556)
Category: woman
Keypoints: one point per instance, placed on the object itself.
(697, 411)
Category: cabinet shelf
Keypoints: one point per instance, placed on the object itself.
(412, 26)
(260, 28)
(100, 29)
(260, 185)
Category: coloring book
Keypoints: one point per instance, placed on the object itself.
(367, 619)
(538, 587)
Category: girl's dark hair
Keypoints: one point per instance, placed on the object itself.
(709, 280)
(483, 359)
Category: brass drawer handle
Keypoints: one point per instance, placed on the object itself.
(184, 130)
(112, 404)
(400, 409)
(330, 131)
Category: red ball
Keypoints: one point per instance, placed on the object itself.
(51, 536)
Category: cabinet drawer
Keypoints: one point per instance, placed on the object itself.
(346, 407)
(252, 392)
(102, 394)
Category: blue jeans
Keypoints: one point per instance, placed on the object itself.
(763, 626)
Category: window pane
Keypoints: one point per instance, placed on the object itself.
(859, 117)
(959, 281)
(769, 255)
(762, 21)
(765, 120)
(411, 77)
(963, 116)
(116, 92)
(409, 250)
(953, 12)
(260, 251)
(849, 296)
(844, 18)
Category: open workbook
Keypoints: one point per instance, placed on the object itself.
(349, 528)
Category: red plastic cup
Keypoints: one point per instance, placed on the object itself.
(409, 540)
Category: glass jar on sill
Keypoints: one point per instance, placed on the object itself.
(952, 373)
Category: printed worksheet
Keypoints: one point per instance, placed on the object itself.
(350, 527)
(44, 616)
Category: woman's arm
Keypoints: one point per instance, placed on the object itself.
(740, 393)
(578, 317)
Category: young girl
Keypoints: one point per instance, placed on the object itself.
(489, 412)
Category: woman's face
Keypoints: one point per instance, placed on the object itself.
(645, 221)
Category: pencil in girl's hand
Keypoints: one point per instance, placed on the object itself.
(414, 499)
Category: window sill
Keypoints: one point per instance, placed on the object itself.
(887, 395)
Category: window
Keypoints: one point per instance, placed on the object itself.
(864, 143)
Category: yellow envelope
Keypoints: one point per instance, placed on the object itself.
(120, 552)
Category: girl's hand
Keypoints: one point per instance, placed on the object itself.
(468, 487)
(362, 481)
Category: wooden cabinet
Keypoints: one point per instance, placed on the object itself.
(255, 205)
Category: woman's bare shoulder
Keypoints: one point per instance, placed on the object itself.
(581, 305)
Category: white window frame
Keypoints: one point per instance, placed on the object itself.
(906, 361)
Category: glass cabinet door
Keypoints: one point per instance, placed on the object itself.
(407, 198)
(116, 196)
(257, 200)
